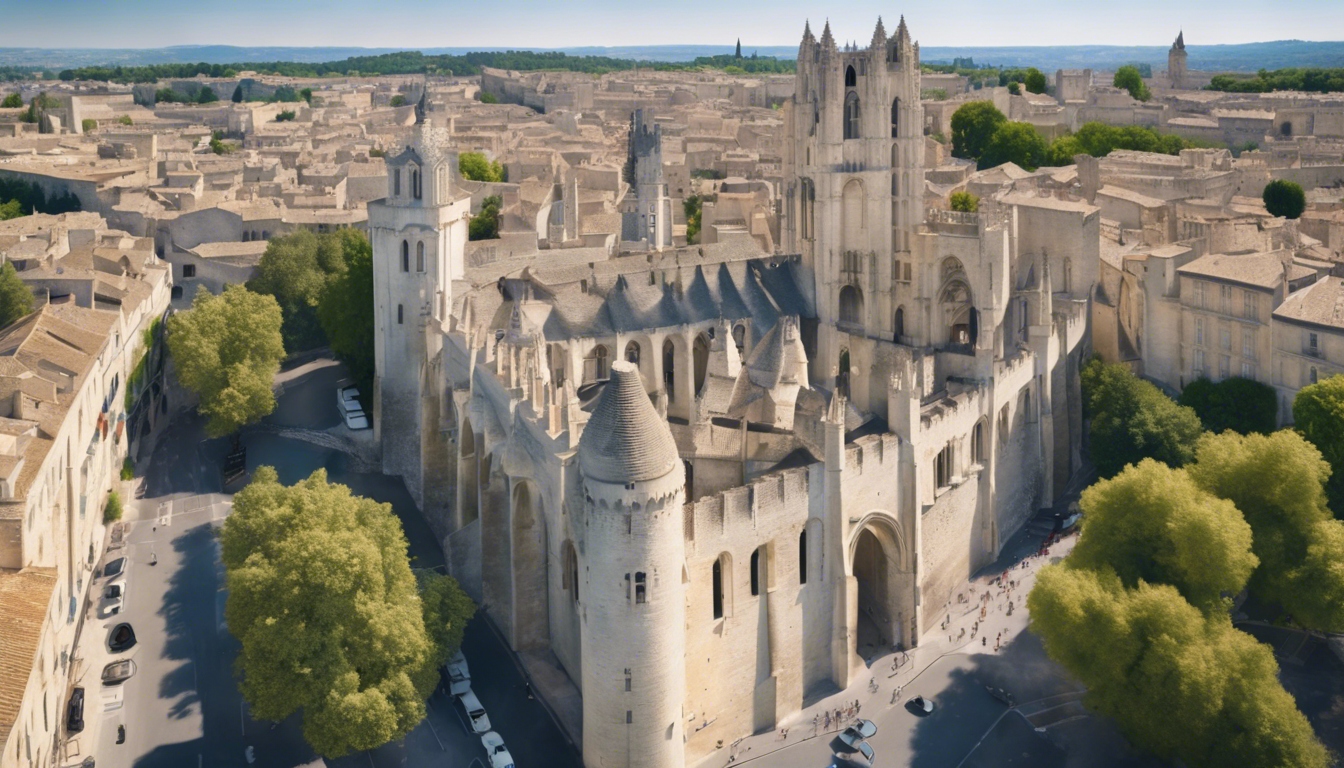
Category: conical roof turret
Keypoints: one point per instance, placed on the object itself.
(1180, 40)
(902, 33)
(807, 32)
(827, 40)
(625, 441)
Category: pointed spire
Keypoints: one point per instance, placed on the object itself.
(1180, 40)
(827, 40)
(902, 34)
(807, 32)
(879, 36)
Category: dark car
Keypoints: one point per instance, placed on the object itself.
(121, 638)
(74, 717)
(118, 672)
(114, 568)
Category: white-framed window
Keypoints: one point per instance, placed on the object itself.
(1199, 293)
(1248, 371)
(1248, 343)
(1227, 299)
(1249, 307)
(1225, 338)
(1199, 331)
(1224, 366)
(1313, 343)
(1199, 367)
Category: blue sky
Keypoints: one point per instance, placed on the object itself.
(554, 23)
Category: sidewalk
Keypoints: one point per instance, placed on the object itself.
(965, 632)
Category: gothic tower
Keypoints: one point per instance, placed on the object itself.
(633, 632)
(1176, 61)
(418, 233)
(855, 182)
(646, 219)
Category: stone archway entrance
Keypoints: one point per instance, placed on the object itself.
(531, 627)
(884, 606)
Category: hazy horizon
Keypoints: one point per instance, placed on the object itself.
(414, 24)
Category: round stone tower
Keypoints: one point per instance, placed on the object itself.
(634, 625)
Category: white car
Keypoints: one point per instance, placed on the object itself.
(480, 722)
(457, 666)
(494, 747)
(347, 399)
(114, 597)
(356, 420)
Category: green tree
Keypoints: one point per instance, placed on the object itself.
(11, 210)
(973, 124)
(307, 94)
(227, 349)
(12, 101)
(297, 269)
(1129, 79)
(1284, 198)
(88, 124)
(1180, 684)
(112, 512)
(488, 98)
(329, 615)
(167, 96)
(206, 95)
(16, 299)
(345, 309)
(125, 120)
(964, 202)
(1132, 420)
(1035, 80)
(475, 166)
(1278, 483)
(1017, 143)
(1318, 413)
(485, 225)
(398, 101)
(1154, 524)
(238, 94)
(1015, 89)
(284, 117)
(693, 207)
(1241, 405)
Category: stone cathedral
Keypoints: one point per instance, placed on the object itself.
(702, 483)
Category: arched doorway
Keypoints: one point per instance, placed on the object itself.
(467, 471)
(700, 359)
(531, 627)
(955, 302)
(851, 307)
(883, 604)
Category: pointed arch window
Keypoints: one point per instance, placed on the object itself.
(419, 257)
(851, 77)
(851, 115)
(802, 557)
(396, 182)
(895, 118)
(415, 183)
(405, 256)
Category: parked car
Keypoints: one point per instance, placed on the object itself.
(497, 752)
(867, 751)
(347, 399)
(114, 568)
(114, 597)
(480, 722)
(118, 672)
(864, 729)
(921, 705)
(121, 638)
(458, 665)
(74, 713)
(356, 419)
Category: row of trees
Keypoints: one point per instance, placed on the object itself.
(982, 133)
(205, 95)
(415, 62)
(333, 622)
(1312, 79)
(31, 198)
(1184, 520)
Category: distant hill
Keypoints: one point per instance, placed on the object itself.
(1248, 57)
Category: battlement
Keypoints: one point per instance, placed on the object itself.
(762, 500)
(873, 453)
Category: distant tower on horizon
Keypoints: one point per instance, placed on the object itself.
(739, 48)
(1176, 61)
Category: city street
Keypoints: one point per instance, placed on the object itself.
(182, 707)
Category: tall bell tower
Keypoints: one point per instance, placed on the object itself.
(855, 170)
(419, 234)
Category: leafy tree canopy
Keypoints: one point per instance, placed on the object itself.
(477, 167)
(1132, 420)
(297, 269)
(1018, 143)
(1241, 405)
(1278, 483)
(16, 298)
(973, 125)
(1310, 79)
(485, 225)
(1284, 198)
(331, 620)
(1318, 413)
(227, 349)
(693, 208)
(12, 101)
(1035, 80)
(964, 202)
(345, 308)
(1128, 78)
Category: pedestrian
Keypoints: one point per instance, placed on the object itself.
(815, 720)
(828, 720)
(858, 708)
(984, 639)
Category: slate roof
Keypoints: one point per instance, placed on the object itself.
(1321, 303)
(625, 441)
(1260, 270)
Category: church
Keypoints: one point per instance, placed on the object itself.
(705, 483)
